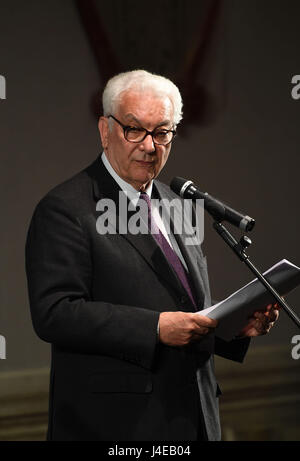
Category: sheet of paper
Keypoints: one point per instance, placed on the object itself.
(234, 312)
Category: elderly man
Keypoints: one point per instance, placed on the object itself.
(131, 358)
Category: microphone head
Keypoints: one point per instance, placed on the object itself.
(248, 223)
(177, 185)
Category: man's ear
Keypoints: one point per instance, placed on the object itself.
(104, 131)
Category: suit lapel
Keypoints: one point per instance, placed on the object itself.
(190, 253)
(104, 186)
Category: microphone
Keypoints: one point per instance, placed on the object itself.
(218, 210)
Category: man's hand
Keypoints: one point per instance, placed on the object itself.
(181, 328)
(261, 322)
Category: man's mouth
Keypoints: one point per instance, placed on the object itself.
(143, 163)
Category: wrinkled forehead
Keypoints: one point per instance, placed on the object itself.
(146, 105)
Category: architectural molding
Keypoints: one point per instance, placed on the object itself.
(260, 401)
(261, 397)
(24, 404)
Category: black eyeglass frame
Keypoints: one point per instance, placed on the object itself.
(151, 133)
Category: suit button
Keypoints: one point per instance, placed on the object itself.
(183, 299)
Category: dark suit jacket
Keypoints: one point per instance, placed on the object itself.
(96, 299)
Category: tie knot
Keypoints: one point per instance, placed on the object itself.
(145, 196)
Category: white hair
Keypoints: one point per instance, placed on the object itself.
(140, 80)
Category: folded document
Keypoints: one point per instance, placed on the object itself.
(234, 312)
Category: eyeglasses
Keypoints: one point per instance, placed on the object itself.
(159, 136)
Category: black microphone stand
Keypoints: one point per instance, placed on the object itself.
(239, 249)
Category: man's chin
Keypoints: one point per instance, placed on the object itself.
(144, 175)
(141, 181)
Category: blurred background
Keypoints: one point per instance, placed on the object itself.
(234, 62)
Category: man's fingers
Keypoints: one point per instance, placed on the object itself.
(267, 317)
(202, 326)
(180, 328)
(262, 321)
(201, 331)
(257, 327)
(274, 314)
(277, 306)
(203, 321)
(197, 337)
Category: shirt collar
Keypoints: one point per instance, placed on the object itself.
(130, 191)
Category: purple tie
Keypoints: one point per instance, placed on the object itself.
(168, 251)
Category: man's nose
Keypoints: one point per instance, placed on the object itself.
(148, 144)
